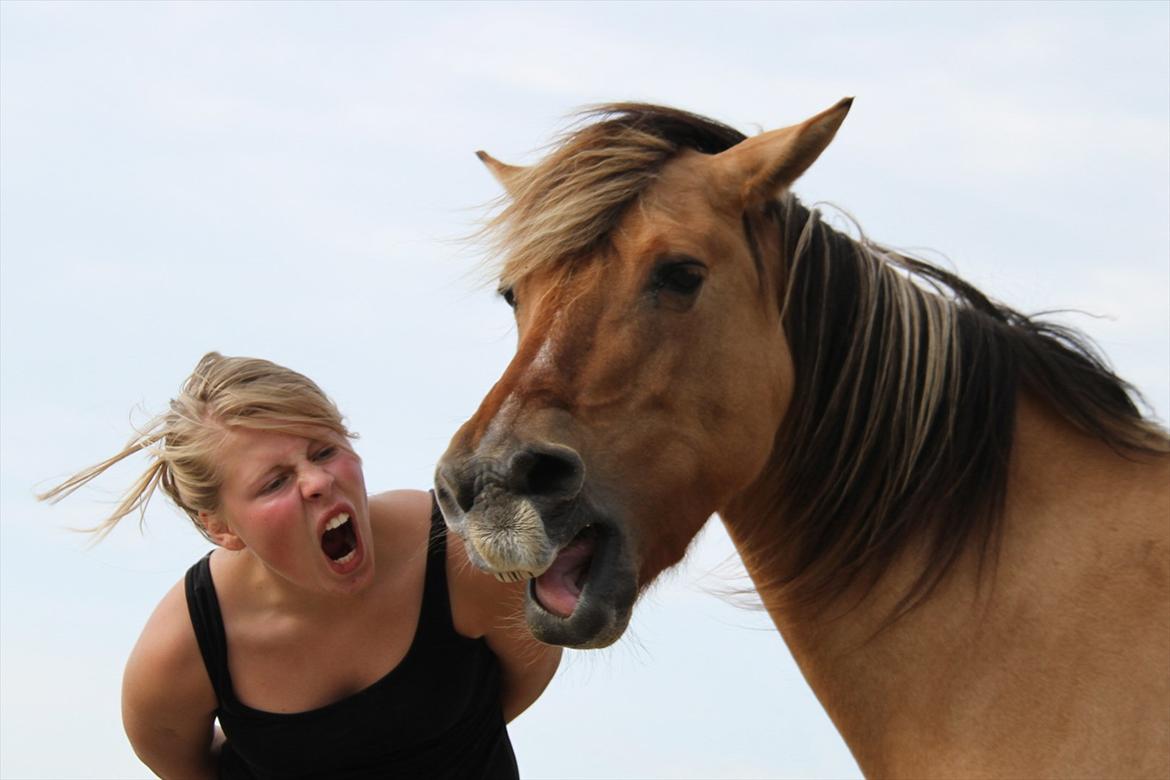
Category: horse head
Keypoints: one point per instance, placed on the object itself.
(652, 370)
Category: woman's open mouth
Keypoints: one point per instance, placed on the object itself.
(559, 588)
(339, 542)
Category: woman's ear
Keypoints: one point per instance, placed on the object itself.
(219, 531)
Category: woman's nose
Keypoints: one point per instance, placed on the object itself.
(315, 481)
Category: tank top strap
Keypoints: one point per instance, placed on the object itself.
(434, 620)
(207, 620)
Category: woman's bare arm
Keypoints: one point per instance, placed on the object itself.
(528, 665)
(484, 606)
(168, 704)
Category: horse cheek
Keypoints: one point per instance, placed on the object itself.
(759, 391)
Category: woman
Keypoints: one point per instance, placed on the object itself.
(331, 634)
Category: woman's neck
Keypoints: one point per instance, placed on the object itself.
(255, 587)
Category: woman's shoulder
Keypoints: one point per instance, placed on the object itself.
(400, 504)
(400, 511)
(168, 635)
(400, 521)
(167, 657)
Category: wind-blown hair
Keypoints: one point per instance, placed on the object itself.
(566, 205)
(906, 377)
(183, 443)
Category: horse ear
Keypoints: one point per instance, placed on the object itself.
(506, 175)
(760, 167)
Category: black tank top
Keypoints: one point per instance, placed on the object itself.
(435, 715)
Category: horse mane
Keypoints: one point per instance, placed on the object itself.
(906, 376)
(902, 421)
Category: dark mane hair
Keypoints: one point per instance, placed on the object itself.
(906, 379)
(902, 424)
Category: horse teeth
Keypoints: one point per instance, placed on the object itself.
(512, 576)
(337, 522)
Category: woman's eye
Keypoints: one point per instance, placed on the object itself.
(325, 453)
(274, 484)
(509, 295)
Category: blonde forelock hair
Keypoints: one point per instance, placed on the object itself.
(567, 205)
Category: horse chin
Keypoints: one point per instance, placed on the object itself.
(603, 607)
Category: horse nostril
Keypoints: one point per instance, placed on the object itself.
(453, 490)
(549, 471)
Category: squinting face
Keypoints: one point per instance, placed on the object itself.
(298, 504)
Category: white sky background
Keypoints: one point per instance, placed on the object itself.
(291, 181)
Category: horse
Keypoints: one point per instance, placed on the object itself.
(955, 514)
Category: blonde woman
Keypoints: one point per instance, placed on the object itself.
(330, 633)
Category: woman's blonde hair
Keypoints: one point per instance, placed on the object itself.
(221, 393)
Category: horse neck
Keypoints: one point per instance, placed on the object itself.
(1001, 668)
(945, 496)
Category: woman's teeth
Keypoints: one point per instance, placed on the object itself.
(339, 539)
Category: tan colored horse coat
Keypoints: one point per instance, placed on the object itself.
(954, 513)
(1058, 666)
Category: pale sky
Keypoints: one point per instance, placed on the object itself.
(293, 181)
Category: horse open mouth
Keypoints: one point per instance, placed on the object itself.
(339, 542)
(559, 588)
(585, 597)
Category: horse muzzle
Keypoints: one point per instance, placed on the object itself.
(523, 515)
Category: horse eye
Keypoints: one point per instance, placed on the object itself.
(679, 277)
(509, 296)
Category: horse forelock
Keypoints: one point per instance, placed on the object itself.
(566, 206)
